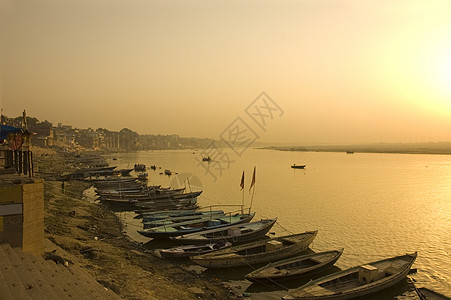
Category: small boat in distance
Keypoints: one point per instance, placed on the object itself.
(140, 168)
(356, 282)
(294, 166)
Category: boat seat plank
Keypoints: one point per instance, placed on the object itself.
(391, 270)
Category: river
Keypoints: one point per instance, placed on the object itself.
(373, 205)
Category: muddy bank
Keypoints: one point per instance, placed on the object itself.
(95, 239)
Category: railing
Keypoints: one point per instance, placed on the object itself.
(21, 161)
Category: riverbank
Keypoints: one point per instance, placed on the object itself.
(95, 239)
(443, 148)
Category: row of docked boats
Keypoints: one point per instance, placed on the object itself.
(213, 238)
(128, 193)
(244, 243)
(95, 172)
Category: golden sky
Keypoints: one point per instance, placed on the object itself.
(341, 71)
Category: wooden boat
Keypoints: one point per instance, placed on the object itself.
(232, 233)
(298, 166)
(188, 197)
(111, 180)
(192, 250)
(129, 204)
(427, 294)
(168, 172)
(295, 267)
(257, 252)
(175, 220)
(121, 192)
(140, 167)
(148, 194)
(89, 172)
(164, 232)
(356, 282)
(161, 215)
(125, 172)
(143, 176)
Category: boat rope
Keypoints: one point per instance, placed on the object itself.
(418, 291)
(286, 230)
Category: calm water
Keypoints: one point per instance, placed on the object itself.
(373, 205)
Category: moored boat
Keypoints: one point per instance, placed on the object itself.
(356, 282)
(298, 166)
(192, 250)
(140, 167)
(159, 215)
(150, 193)
(258, 252)
(143, 176)
(175, 220)
(295, 267)
(164, 232)
(233, 233)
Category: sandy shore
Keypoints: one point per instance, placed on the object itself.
(95, 239)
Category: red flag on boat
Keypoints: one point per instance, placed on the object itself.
(253, 181)
(242, 181)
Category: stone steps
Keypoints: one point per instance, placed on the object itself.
(25, 276)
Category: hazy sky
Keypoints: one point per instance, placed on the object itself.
(341, 71)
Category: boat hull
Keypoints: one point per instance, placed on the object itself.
(259, 252)
(165, 232)
(192, 250)
(346, 285)
(221, 234)
(295, 267)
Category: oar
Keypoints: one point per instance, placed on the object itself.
(417, 290)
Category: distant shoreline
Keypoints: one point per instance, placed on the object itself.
(443, 148)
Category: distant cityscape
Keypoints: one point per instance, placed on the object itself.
(45, 134)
